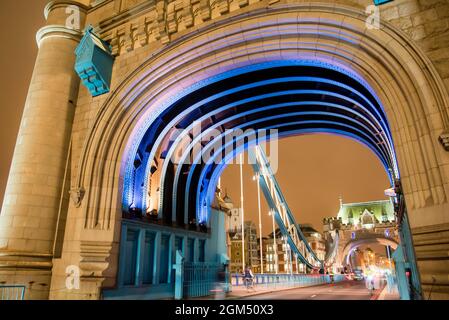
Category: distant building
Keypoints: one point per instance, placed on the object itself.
(316, 242)
(360, 222)
(281, 258)
(251, 244)
(235, 220)
(264, 249)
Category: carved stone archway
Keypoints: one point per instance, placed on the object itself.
(404, 80)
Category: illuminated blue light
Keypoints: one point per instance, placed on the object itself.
(201, 195)
(139, 133)
(255, 98)
(129, 185)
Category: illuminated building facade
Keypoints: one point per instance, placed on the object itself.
(251, 249)
(359, 224)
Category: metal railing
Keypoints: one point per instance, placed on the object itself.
(279, 281)
(203, 279)
(12, 292)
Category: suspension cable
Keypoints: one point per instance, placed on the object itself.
(260, 224)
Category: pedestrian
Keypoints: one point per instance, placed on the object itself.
(249, 278)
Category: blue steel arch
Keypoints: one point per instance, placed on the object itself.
(255, 98)
(159, 129)
(207, 196)
(150, 120)
(364, 138)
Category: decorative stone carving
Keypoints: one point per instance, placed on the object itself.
(77, 196)
(94, 255)
(444, 140)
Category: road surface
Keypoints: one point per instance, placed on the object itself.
(346, 290)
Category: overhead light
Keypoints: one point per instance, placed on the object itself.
(390, 192)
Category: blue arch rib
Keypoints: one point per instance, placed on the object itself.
(252, 99)
(200, 198)
(197, 139)
(266, 65)
(170, 125)
(384, 158)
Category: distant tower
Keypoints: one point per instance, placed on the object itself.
(235, 223)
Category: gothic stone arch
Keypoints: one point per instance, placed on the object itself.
(158, 56)
(404, 79)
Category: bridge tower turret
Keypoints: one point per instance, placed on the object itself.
(37, 188)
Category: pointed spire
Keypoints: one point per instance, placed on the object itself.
(340, 198)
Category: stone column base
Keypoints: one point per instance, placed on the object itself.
(432, 247)
(33, 271)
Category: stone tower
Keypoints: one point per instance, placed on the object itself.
(36, 197)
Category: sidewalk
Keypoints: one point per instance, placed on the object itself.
(241, 292)
(393, 295)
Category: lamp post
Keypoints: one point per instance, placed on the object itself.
(242, 212)
(256, 178)
(271, 213)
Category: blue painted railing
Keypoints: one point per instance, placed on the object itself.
(12, 292)
(278, 281)
(204, 279)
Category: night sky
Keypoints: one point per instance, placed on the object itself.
(314, 170)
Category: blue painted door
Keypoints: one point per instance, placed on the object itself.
(131, 257)
(165, 250)
(148, 263)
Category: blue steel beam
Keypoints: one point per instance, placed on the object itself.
(376, 117)
(359, 115)
(200, 196)
(363, 137)
(283, 122)
(374, 108)
(197, 140)
(275, 199)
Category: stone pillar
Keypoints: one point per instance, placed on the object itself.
(32, 202)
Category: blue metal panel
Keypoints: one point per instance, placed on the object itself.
(379, 2)
(148, 260)
(202, 250)
(164, 262)
(130, 257)
(190, 250)
(160, 263)
(94, 63)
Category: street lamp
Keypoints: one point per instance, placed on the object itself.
(256, 178)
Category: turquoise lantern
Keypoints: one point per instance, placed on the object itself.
(379, 2)
(94, 63)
